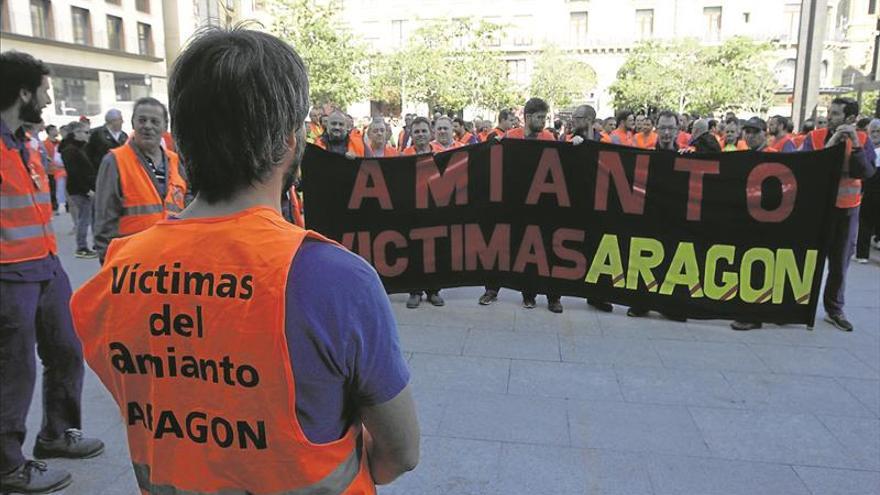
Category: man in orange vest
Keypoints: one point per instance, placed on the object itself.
(315, 130)
(645, 137)
(462, 135)
(140, 182)
(506, 121)
(858, 164)
(534, 115)
(377, 144)
(444, 135)
(275, 365)
(780, 129)
(34, 297)
(338, 137)
(626, 122)
(420, 132)
(404, 140)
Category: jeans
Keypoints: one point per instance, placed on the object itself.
(843, 241)
(83, 215)
(37, 313)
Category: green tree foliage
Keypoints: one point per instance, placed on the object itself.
(445, 64)
(560, 79)
(684, 75)
(334, 59)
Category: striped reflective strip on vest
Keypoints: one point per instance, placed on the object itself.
(334, 484)
(142, 210)
(10, 234)
(848, 191)
(23, 200)
(173, 208)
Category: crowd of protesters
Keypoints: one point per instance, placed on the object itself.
(855, 227)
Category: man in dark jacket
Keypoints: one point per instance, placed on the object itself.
(81, 176)
(105, 138)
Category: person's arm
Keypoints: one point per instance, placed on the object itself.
(392, 437)
(861, 162)
(108, 205)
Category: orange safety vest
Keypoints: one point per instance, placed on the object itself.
(438, 148)
(141, 205)
(390, 151)
(683, 139)
(849, 190)
(192, 430)
(648, 142)
(355, 146)
(779, 144)
(465, 138)
(520, 133)
(25, 208)
(315, 131)
(624, 137)
(411, 150)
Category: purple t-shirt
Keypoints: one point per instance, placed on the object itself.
(342, 338)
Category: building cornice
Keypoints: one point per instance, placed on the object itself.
(74, 46)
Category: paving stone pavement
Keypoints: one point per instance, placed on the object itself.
(516, 401)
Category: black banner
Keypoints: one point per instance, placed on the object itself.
(733, 235)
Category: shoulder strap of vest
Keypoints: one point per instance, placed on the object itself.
(818, 138)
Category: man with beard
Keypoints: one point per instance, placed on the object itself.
(325, 380)
(34, 298)
(626, 123)
(583, 119)
(534, 114)
(338, 137)
(139, 183)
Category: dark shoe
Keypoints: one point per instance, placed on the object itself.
(34, 477)
(73, 445)
(488, 297)
(529, 302)
(636, 312)
(436, 300)
(840, 322)
(413, 301)
(86, 254)
(601, 305)
(555, 306)
(745, 325)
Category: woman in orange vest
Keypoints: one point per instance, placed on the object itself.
(139, 183)
(292, 406)
(859, 163)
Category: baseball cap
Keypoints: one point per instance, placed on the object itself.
(755, 123)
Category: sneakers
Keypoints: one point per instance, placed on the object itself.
(555, 306)
(34, 477)
(745, 325)
(601, 305)
(86, 254)
(73, 445)
(529, 302)
(435, 299)
(414, 299)
(488, 298)
(862, 260)
(840, 322)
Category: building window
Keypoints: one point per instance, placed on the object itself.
(115, 36)
(41, 19)
(872, 7)
(712, 23)
(398, 32)
(82, 26)
(76, 91)
(577, 28)
(142, 6)
(114, 2)
(645, 23)
(516, 71)
(131, 87)
(747, 16)
(145, 39)
(791, 22)
(523, 36)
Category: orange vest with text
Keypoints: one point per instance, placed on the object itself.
(141, 205)
(849, 191)
(210, 433)
(520, 133)
(25, 208)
